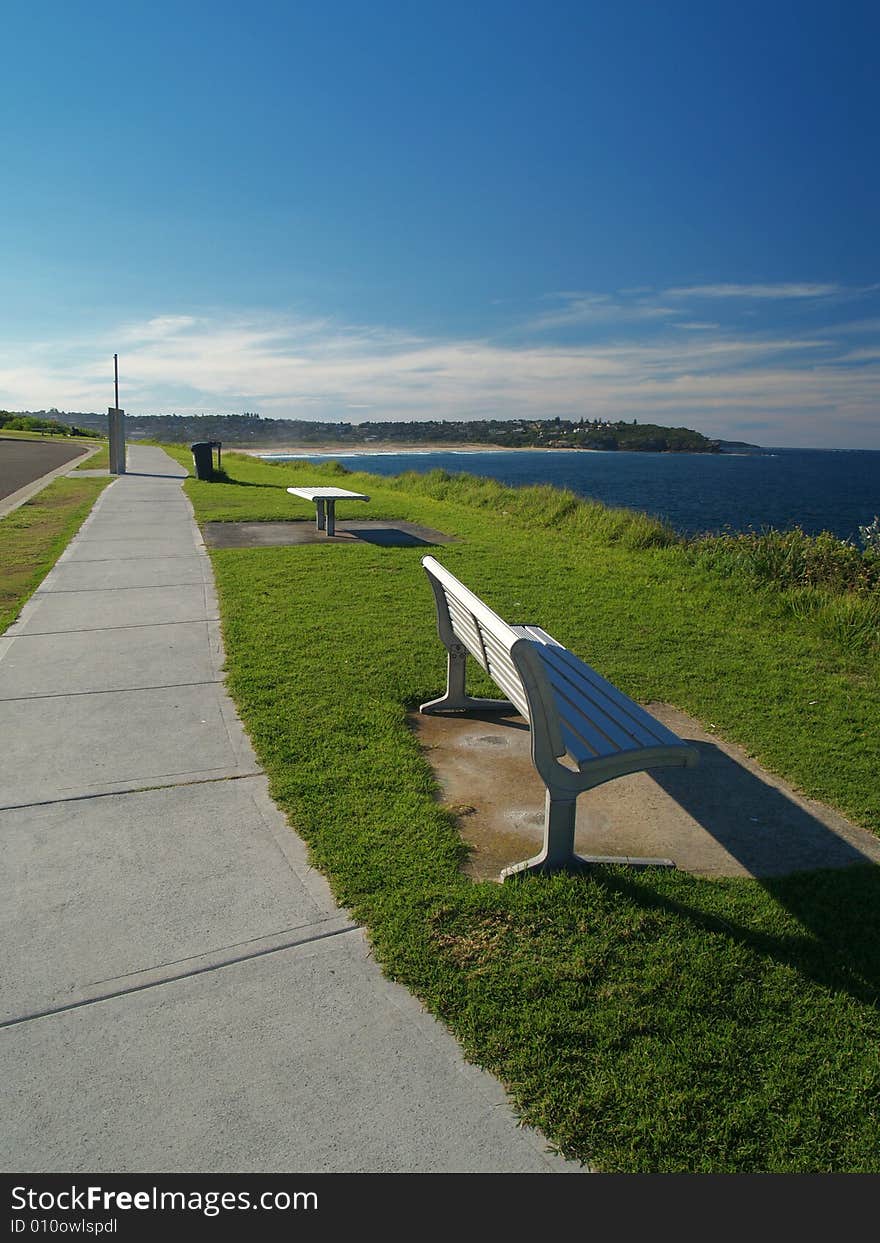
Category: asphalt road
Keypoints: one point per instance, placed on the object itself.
(23, 461)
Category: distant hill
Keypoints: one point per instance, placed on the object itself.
(739, 446)
(252, 430)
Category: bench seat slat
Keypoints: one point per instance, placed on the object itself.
(328, 494)
(580, 696)
(642, 721)
(639, 724)
(506, 679)
(584, 756)
(591, 715)
(621, 706)
(585, 738)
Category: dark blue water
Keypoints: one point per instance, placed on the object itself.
(816, 489)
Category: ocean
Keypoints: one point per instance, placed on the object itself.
(815, 489)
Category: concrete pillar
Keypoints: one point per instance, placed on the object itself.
(116, 420)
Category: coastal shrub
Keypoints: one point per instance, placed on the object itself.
(629, 527)
(435, 483)
(336, 468)
(850, 619)
(853, 621)
(870, 536)
(329, 468)
(790, 559)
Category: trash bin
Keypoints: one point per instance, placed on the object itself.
(203, 458)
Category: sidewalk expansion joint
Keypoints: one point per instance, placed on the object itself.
(140, 789)
(185, 621)
(174, 977)
(109, 690)
(75, 591)
(197, 553)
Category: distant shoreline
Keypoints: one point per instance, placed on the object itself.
(393, 447)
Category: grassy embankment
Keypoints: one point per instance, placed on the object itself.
(33, 537)
(99, 460)
(646, 1021)
(24, 434)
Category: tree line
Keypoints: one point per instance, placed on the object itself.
(252, 429)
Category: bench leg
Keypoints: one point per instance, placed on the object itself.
(321, 518)
(557, 853)
(456, 696)
(331, 517)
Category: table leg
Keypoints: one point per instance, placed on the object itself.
(322, 521)
(331, 517)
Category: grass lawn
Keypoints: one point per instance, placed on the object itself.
(85, 441)
(653, 1021)
(33, 537)
(99, 460)
(25, 435)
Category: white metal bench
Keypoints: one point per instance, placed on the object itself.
(584, 731)
(325, 504)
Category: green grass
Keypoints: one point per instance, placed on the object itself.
(33, 537)
(649, 1022)
(12, 433)
(99, 460)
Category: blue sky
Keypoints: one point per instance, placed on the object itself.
(347, 211)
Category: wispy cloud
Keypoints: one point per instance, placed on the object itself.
(643, 305)
(158, 329)
(860, 356)
(595, 308)
(856, 328)
(777, 291)
(817, 388)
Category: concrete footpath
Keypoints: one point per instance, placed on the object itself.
(179, 990)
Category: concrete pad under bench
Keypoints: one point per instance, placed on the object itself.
(388, 534)
(726, 817)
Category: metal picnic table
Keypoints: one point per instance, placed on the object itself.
(325, 503)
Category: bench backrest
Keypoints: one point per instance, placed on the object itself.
(463, 616)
